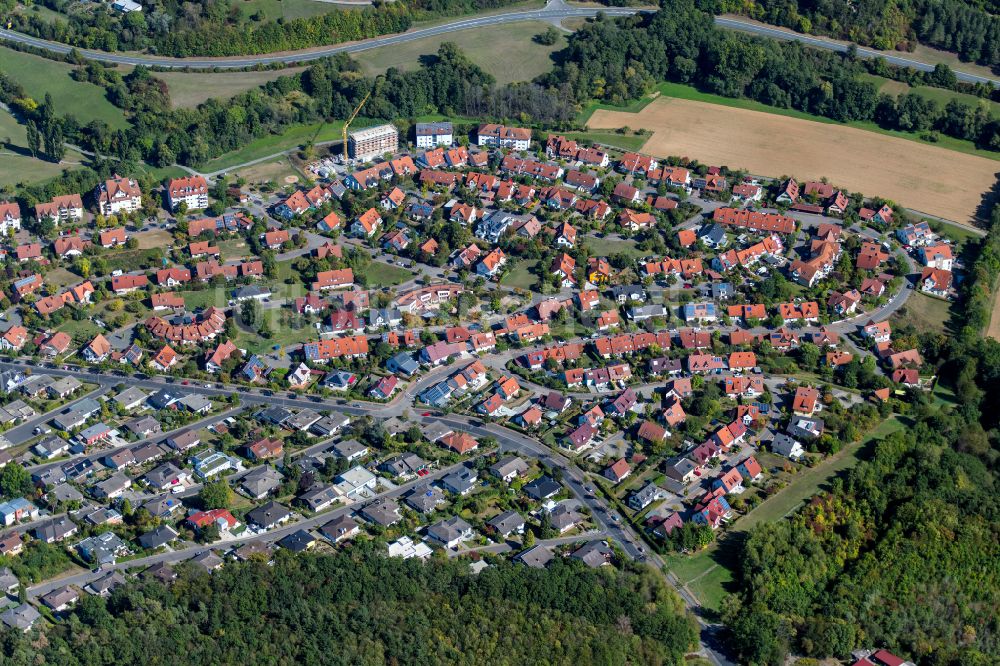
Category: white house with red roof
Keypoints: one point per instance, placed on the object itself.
(10, 216)
(118, 195)
(192, 191)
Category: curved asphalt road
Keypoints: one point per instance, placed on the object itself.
(889, 57)
(554, 11)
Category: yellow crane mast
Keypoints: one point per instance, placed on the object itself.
(351, 119)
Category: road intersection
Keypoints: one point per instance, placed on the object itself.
(609, 523)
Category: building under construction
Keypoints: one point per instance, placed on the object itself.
(371, 142)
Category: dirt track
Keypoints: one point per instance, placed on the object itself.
(923, 177)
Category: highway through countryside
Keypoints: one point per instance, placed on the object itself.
(553, 12)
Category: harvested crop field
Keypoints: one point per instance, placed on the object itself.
(922, 177)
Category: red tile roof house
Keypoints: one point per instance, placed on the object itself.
(491, 264)
(789, 192)
(806, 401)
(878, 332)
(203, 248)
(335, 279)
(499, 136)
(881, 216)
(80, 293)
(14, 338)
(490, 405)
(173, 277)
(385, 387)
(70, 246)
(165, 360)
(651, 432)
(581, 437)
(275, 239)
(731, 481)
(112, 237)
(367, 224)
(189, 190)
(61, 209)
(460, 443)
(296, 204)
(633, 163)
(220, 517)
(906, 376)
(617, 471)
(463, 214)
(215, 358)
(97, 350)
(28, 251)
(393, 200)
(750, 469)
(935, 281)
(530, 417)
(626, 194)
(57, 344)
(265, 449)
(124, 284)
(908, 358)
(882, 658)
(118, 195)
(166, 301)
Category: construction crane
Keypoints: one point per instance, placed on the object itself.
(351, 120)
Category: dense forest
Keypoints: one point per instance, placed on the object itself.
(619, 60)
(905, 551)
(970, 29)
(359, 607)
(221, 28)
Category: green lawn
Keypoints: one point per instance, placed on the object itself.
(507, 51)
(609, 246)
(195, 300)
(522, 276)
(704, 574)
(281, 335)
(939, 96)
(809, 480)
(380, 274)
(926, 313)
(40, 75)
(59, 278)
(285, 9)
(80, 330)
(276, 143)
(632, 107)
(959, 235)
(681, 91)
(189, 89)
(234, 248)
(17, 166)
(622, 141)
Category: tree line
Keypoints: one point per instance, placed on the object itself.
(622, 59)
(446, 83)
(221, 27)
(359, 607)
(970, 29)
